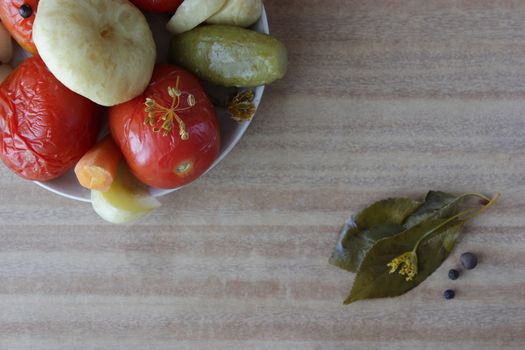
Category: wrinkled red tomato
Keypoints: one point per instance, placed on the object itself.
(45, 128)
(17, 17)
(157, 5)
(169, 135)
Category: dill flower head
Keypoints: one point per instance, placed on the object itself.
(407, 265)
(241, 107)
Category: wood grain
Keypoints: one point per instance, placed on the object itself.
(382, 98)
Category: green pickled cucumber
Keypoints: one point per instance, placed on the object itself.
(230, 56)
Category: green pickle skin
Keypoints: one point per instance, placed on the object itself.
(230, 56)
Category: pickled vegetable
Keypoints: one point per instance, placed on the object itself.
(191, 13)
(127, 199)
(230, 56)
(242, 13)
(98, 167)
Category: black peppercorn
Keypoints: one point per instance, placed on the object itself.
(25, 11)
(468, 260)
(453, 274)
(449, 294)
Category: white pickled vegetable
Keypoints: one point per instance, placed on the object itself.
(241, 13)
(191, 13)
(102, 50)
(127, 200)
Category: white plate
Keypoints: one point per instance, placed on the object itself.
(231, 131)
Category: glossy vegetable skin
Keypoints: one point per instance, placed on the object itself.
(172, 152)
(125, 201)
(45, 128)
(21, 28)
(157, 5)
(242, 13)
(97, 169)
(230, 56)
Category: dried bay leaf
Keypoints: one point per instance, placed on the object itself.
(395, 244)
(381, 219)
(388, 211)
(374, 280)
(437, 204)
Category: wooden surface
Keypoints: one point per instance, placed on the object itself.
(383, 98)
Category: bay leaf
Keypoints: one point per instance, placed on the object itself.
(382, 219)
(388, 211)
(374, 280)
(437, 204)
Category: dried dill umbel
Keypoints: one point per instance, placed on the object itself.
(166, 116)
(407, 264)
(242, 107)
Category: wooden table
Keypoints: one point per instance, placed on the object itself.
(382, 98)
